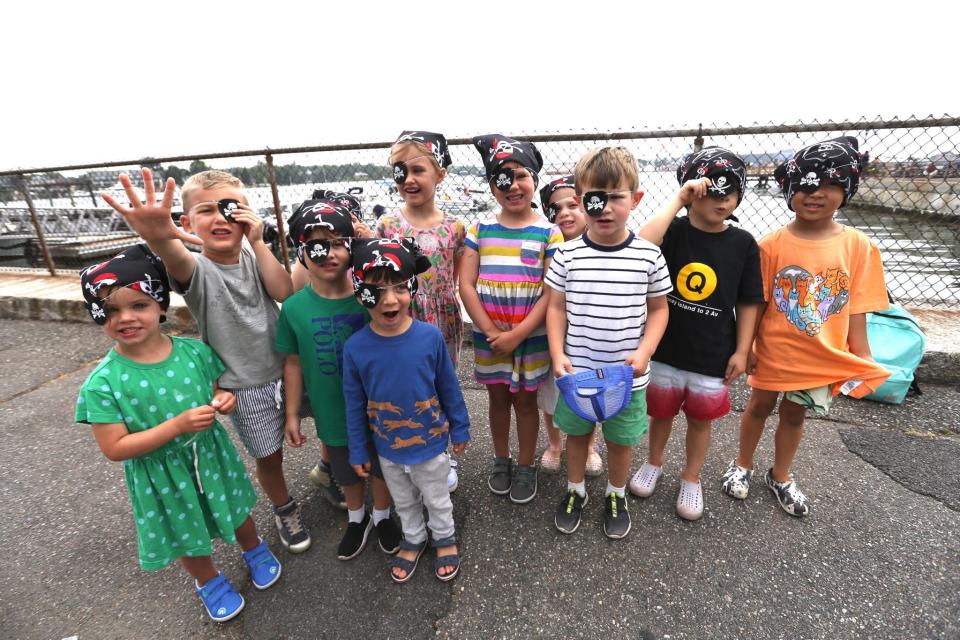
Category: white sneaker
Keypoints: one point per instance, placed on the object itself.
(690, 500)
(452, 480)
(644, 481)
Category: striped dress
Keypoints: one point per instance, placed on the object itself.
(509, 284)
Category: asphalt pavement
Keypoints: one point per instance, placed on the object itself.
(878, 557)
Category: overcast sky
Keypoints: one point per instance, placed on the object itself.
(89, 82)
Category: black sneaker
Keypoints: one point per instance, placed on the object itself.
(523, 486)
(289, 521)
(569, 511)
(388, 535)
(616, 517)
(355, 539)
(499, 480)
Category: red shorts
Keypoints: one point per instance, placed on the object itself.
(701, 397)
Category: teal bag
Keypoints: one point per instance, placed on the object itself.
(896, 342)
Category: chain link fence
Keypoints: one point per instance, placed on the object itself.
(908, 202)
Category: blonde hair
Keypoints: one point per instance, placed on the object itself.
(607, 168)
(210, 179)
(419, 146)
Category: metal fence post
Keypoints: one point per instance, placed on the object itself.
(698, 141)
(36, 225)
(272, 176)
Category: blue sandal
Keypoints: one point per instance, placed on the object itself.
(408, 566)
(452, 560)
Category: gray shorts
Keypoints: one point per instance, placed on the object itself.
(342, 469)
(259, 418)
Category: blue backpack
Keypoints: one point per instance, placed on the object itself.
(896, 342)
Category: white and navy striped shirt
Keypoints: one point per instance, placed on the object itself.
(606, 291)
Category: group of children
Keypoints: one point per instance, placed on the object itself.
(370, 329)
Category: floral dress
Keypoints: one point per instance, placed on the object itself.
(436, 300)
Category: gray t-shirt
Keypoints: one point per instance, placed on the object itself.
(237, 317)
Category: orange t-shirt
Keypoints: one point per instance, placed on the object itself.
(811, 288)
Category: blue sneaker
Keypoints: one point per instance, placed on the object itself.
(264, 567)
(220, 598)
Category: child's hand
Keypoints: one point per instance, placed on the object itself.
(252, 223)
(361, 230)
(151, 221)
(693, 190)
(639, 361)
(224, 401)
(362, 470)
(505, 342)
(196, 420)
(751, 363)
(458, 449)
(736, 365)
(292, 433)
(562, 366)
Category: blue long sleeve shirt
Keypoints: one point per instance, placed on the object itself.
(402, 391)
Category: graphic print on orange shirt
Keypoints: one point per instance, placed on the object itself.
(808, 300)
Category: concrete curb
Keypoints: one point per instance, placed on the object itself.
(938, 366)
(20, 308)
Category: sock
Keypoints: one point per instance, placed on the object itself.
(620, 491)
(579, 487)
(379, 515)
(356, 515)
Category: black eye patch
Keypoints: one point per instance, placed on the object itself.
(594, 202)
(400, 172)
(317, 251)
(227, 207)
(504, 179)
(553, 211)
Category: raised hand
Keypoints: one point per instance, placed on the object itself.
(151, 220)
(693, 190)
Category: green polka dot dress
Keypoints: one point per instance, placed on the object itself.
(192, 489)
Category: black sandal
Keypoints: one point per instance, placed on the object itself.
(409, 566)
(451, 560)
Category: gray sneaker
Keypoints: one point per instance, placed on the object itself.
(499, 480)
(524, 486)
(293, 534)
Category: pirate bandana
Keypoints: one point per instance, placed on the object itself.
(551, 210)
(342, 200)
(324, 213)
(435, 142)
(137, 268)
(594, 202)
(496, 150)
(227, 207)
(725, 169)
(837, 161)
(400, 255)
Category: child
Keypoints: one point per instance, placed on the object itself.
(607, 307)
(420, 160)
(501, 282)
(561, 207)
(314, 324)
(820, 279)
(715, 269)
(230, 289)
(152, 403)
(399, 383)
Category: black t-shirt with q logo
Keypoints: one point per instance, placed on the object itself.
(711, 273)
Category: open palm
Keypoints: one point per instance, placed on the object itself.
(152, 221)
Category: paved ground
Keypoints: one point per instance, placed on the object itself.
(877, 558)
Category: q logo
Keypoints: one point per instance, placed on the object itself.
(696, 281)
